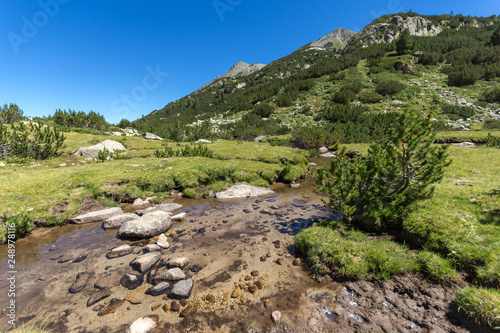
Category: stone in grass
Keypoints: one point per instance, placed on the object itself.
(146, 324)
(145, 262)
(119, 251)
(323, 150)
(132, 281)
(179, 262)
(182, 289)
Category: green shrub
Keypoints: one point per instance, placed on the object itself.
(389, 86)
(190, 193)
(378, 192)
(491, 124)
(188, 151)
(493, 141)
(309, 137)
(10, 114)
(21, 225)
(264, 110)
(30, 141)
(492, 95)
(456, 111)
(369, 96)
(462, 74)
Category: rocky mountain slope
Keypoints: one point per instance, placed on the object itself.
(338, 39)
(239, 69)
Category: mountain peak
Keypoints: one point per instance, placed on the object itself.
(338, 38)
(242, 68)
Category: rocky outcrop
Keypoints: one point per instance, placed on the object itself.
(97, 216)
(243, 191)
(151, 136)
(387, 32)
(338, 39)
(93, 151)
(237, 70)
(147, 226)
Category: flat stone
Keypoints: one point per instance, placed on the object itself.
(294, 186)
(145, 262)
(153, 248)
(174, 274)
(243, 191)
(323, 150)
(131, 281)
(163, 241)
(111, 307)
(146, 324)
(116, 222)
(120, 251)
(465, 144)
(98, 295)
(160, 289)
(167, 208)
(188, 311)
(182, 289)
(97, 216)
(147, 226)
(329, 155)
(312, 165)
(179, 217)
(178, 262)
(80, 283)
(108, 281)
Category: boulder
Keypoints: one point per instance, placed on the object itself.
(97, 216)
(151, 136)
(147, 226)
(323, 150)
(146, 324)
(145, 262)
(119, 251)
(116, 221)
(174, 274)
(243, 191)
(168, 208)
(93, 151)
(182, 289)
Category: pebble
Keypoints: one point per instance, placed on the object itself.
(178, 262)
(236, 293)
(297, 262)
(112, 306)
(253, 289)
(276, 317)
(255, 273)
(247, 211)
(175, 306)
(263, 258)
(210, 298)
(160, 289)
(153, 248)
(145, 262)
(131, 281)
(98, 295)
(188, 311)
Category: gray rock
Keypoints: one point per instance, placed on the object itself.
(294, 185)
(312, 165)
(174, 274)
(323, 150)
(179, 217)
(108, 281)
(257, 139)
(182, 289)
(147, 226)
(120, 251)
(93, 151)
(203, 141)
(276, 317)
(145, 262)
(146, 324)
(178, 262)
(168, 208)
(465, 144)
(397, 102)
(160, 289)
(153, 248)
(97, 216)
(328, 155)
(132, 281)
(243, 191)
(116, 222)
(151, 136)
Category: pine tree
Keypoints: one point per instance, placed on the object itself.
(495, 38)
(404, 43)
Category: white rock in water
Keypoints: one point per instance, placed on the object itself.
(179, 217)
(243, 191)
(97, 216)
(146, 324)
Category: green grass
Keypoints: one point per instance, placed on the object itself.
(472, 136)
(481, 304)
(456, 231)
(42, 187)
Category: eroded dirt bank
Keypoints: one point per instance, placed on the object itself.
(241, 260)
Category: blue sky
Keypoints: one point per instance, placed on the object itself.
(127, 58)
